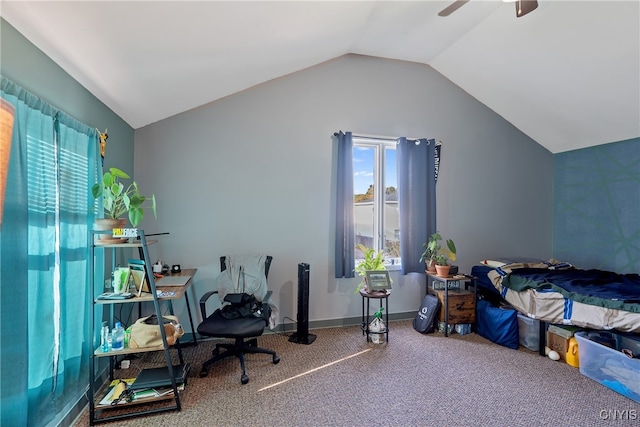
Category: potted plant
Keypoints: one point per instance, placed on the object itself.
(436, 257)
(373, 260)
(118, 200)
(445, 254)
(431, 248)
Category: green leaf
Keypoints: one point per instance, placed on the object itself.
(451, 246)
(135, 216)
(118, 173)
(96, 190)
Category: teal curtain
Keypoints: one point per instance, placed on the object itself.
(44, 255)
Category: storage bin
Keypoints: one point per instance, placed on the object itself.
(601, 360)
(529, 332)
(629, 342)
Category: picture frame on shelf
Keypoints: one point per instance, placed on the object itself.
(378, 280)
(139, 275)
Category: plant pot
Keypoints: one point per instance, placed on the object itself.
(443, 270)
(103, 224)
(431, 268)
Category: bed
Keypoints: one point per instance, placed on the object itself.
(557, 292)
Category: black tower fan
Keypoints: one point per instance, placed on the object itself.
(303, 336)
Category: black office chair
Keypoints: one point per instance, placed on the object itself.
(238, 329)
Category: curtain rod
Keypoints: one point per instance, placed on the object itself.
(386, 138)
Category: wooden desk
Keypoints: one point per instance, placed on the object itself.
(180, 291)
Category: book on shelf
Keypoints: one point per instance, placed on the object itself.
(159, 377)
(138, 395)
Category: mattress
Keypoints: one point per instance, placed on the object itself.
(480, 272)
(588, 299)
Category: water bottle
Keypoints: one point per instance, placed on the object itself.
(118, 337)
(104, 337)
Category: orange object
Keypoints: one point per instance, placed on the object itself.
(6, 132)
(572, 356)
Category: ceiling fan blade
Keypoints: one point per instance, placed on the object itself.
(525, 6)
(453, 7)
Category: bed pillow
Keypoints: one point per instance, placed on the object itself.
(492, 263)
(499, 262)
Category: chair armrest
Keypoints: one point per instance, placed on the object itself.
(203, 303)
(267, 297)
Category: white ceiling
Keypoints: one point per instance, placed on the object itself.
(567, 74)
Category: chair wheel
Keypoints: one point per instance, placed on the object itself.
(244, 379)
(203, 372)
(276, 359)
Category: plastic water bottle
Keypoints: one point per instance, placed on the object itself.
(104, 337)
(118, 337)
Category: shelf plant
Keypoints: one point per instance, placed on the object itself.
(118, 200)
(430, 251)
(437, 254)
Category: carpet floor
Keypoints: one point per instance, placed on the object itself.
(413, 380)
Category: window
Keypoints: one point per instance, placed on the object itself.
(376, 213)
(368, 166)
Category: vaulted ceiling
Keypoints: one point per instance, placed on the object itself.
(566, 74)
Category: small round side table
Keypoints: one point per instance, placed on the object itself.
(380, 296)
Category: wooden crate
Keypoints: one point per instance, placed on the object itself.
(462, 306)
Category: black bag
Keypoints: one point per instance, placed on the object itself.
(243, 305)
(426, 316)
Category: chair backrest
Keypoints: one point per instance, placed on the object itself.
(267, 264)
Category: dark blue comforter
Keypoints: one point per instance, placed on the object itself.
(594, 287)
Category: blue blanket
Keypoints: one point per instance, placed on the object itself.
(594, 287)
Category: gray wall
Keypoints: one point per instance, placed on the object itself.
(253, 173)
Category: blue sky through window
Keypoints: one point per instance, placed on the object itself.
(363, 169)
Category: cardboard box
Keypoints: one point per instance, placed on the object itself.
(558, 339)
(558, 344)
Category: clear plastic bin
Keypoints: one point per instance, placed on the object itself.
(602, 360)
(529, 331)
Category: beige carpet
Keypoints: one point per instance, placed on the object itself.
(414, 380)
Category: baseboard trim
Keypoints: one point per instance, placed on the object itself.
(289, 327)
